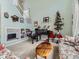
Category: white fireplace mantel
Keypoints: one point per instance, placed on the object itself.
(15, 40)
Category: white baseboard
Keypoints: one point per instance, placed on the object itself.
(15, 42)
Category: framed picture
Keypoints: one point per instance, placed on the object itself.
(35, 23)
(6, 15)
(45, 19)
(22, 33)
(21, 20)
(15, 18)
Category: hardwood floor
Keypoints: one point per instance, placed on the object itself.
(26, 48)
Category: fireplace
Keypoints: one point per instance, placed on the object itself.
(11, 36)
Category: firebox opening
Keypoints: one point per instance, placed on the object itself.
(11, 36)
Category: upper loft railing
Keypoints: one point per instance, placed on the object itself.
(22, 7)
(19, 5)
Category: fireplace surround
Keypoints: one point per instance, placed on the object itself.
(13, 34)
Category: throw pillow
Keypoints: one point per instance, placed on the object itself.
(2, 47)
(69, 38)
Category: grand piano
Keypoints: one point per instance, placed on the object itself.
(37, 34)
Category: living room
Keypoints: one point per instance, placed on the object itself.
(19, 17)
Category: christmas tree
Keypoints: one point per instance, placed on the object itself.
(58, 22)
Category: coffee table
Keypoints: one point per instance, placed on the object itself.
(43, 49)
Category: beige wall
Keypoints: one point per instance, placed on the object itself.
(42, 8)
(6, 23)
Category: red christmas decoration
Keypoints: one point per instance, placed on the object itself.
(59, 35)
(51, 35)
(2, 47)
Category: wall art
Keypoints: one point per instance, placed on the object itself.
(6, 15)
(46, 19)
(35, 23)
(15, 18)
(21, 20)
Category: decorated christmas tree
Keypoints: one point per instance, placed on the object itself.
(58, 22)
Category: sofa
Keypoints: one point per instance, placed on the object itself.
(6, 54)
(67, 48)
